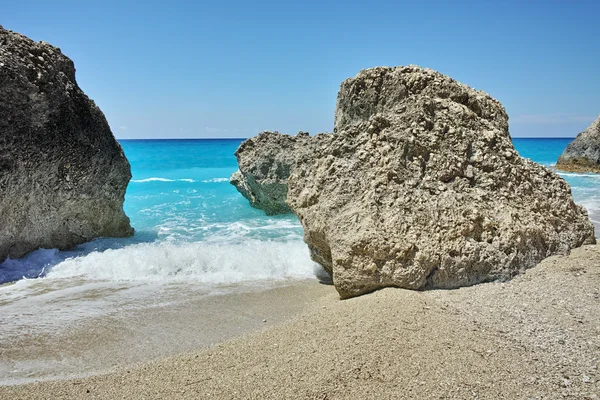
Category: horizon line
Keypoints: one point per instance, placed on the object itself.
(244, 138)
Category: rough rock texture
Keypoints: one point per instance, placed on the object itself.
(265, 163)
(420, 187)
(62, 173)
(583, 153)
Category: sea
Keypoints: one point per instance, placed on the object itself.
(195, 236)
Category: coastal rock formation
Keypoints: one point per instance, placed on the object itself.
(419, 187)
(583, 153)
(265, 163)
(62, 173)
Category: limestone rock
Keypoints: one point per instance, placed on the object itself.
(62, 173)
(583, 153)
(420, 187)
(265, 163)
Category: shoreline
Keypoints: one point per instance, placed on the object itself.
(126, 337)
(536, 336)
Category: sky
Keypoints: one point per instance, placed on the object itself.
(178, 69)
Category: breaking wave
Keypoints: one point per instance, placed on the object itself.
(206, 262)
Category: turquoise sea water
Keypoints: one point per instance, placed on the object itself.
(585, 187)
(194, 234)
(180, 191)
(192, 224)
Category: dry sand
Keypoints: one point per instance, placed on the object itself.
(537, 336)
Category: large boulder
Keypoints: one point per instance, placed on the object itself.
(583, 153)
(265, 163)
(62, 173)
(420, 187)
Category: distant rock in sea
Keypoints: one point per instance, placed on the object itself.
(420, 187)
(265, 163)
(62, 173)
(583, 153)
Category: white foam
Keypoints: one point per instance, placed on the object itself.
(152, 180)
(592, 204)
(216, 180)
(205, 262)
(157, 179)
(96, 282)
(573, 174)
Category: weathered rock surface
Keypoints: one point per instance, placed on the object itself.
(62, 173)
(420, 187)
(265, 163)
(583, 153)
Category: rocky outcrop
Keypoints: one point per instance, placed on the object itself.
(62, 173)
(583, 153)
(265, 163)
(420, 187)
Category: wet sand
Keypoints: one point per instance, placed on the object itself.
(537, 336)
(167, 328)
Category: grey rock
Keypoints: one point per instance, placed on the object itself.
(265, 163)
(62, 173)
(583, 153)
(420, 187)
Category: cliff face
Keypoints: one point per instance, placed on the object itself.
(420, 187)
(583, 153)
(62, 173)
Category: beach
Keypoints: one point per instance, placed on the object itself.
(177, 321)
(299, 201)
(536, 336)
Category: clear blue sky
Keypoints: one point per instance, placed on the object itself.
(233, 68)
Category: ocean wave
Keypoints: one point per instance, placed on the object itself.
(179, 227)
(68, 287)
(579, 175)
(216, 180)
(592, 204)
(189, 180)
(212, 263)
(152, 180)
(155, 179)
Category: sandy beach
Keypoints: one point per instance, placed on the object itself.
(179, 319)
(321, 201)
(537, 336)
